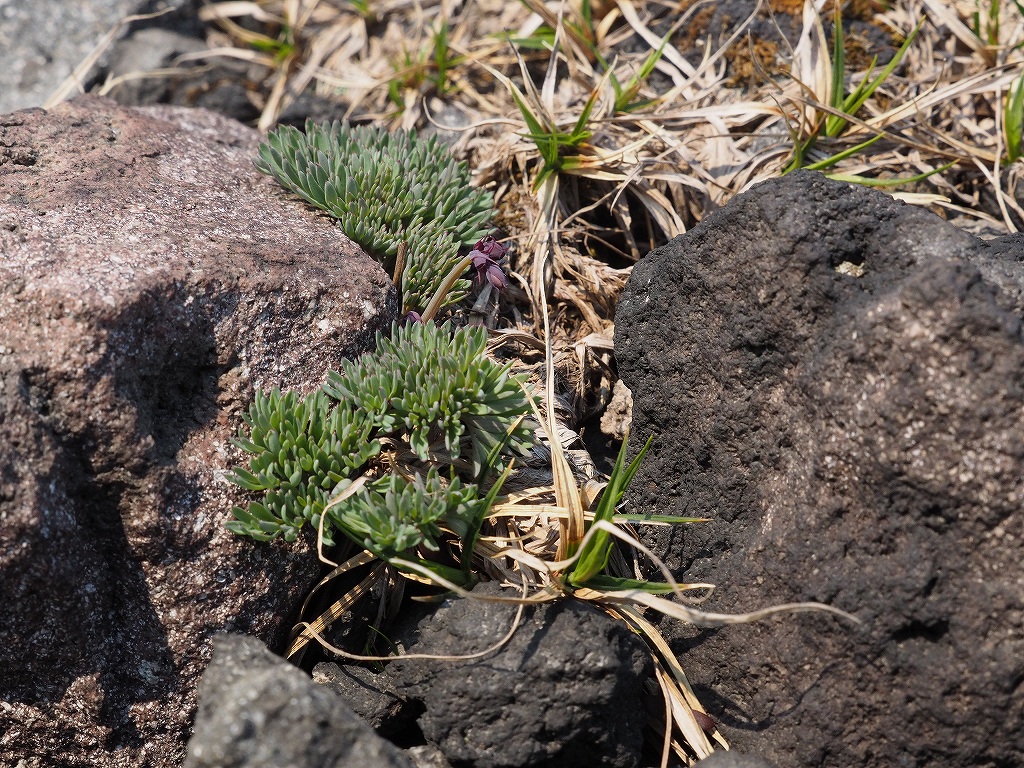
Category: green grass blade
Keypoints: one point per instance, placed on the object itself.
(446, 572)
(580, 133)
(856, 101)
(442, 57)
(838, 59)
(541, 40)
(831, 160)
(854, 179)
(594, 556)
(670, 519)
(1013, 120)
(993, 22)
(624, 96)
(535, 126)
(616, 584)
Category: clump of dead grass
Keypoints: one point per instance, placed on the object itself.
(709, 122)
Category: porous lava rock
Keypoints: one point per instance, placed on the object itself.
(367, 694)
(150, 278)
(732, 759)
(256, 710)
(836, 379)
(566, 690)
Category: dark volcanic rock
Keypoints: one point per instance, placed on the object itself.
(369, 695)
(149, 279)
(732, 759)
(857, 440)
(258, 711)
(566, 690)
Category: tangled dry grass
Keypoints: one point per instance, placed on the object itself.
(605, 128)
(738, 93)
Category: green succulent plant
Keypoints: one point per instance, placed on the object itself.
(437, 386)
(431, 394)
(385, 189)
(302, 449)
(394, 515)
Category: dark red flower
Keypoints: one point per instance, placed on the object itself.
(487, 256)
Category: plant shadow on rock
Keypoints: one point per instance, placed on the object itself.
(161, 365)
(836, 380)
(170, 373)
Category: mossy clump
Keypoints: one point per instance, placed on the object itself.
(416, 424)
(385, 189)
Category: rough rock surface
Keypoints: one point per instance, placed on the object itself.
(837, 380)
(566, 690)
(369, 695)
(732, 759)
(149, 279)
(258, 711)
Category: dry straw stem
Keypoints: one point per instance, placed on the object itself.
(74, 84)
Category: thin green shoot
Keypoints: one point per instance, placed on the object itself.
(831, 160)
(594, 554)
(362, 7)
(552, 143)
(834, 124)
(986, 27)
(1013, 120)
(869, 182)
(370, 647)
(443, 59)
(542, 39)
(280, 48)
(616, 584)
(625, 95)
(621, 517)
(474, 526)
(847, 105)
(587, 14)
(427, 66)
(838, 64)
(579, 26)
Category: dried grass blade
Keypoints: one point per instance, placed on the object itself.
(812, 68)
(276, 100)
(682, 715)
(227, 10)
(708, 619)
(337, 609)
(684, 71)
(571, 529)
(945, 13)
(661, 210)
(75, 81)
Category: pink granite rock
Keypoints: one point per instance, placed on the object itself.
(150, 278)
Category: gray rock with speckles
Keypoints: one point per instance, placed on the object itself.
(43, 41)
(258, 711)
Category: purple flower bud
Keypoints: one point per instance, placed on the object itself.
(413, 317)
(490, 247)
(496, 277)
(487, 255)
